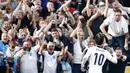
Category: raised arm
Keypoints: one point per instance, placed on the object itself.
(86, 8)
(60, 55)
(127, 9)
(89, 23)
(49, 26)
(70, 16)
(27, 9)
(64, 5)
(5, 3)
(15, 12)
(66, 25)
(72, 35)
(106, 8)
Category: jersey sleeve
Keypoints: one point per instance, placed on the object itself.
(112, 58)
(86, 56)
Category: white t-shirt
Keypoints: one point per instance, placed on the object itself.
(116, 28)
(96, 57)
(12, 53)
(28, 62)
(50, 62)
(77, 56)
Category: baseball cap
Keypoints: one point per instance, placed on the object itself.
(75, 12)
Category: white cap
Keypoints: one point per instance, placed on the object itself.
(101, 3)
(75, 12)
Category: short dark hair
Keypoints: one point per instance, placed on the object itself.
(99, 38)
(54, 29)
(117, 10)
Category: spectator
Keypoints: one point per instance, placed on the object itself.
(28, 57)
(51, 58)
(11, 51)
(4, 45)
(122, 62)
(117, 30)
(78, 47)
(6, 26)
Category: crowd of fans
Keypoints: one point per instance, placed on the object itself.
(52, 36)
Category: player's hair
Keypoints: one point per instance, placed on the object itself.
(99, 38)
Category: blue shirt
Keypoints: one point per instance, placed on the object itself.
(3, 48)
(43, 3)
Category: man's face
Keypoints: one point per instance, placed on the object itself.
(76, 15)
(81, 36)
(27, 45)
(20, 14)
(8, 8)
(119, 53)
(61, 17)
(117, 16)
(91, 44)
(6, 25)
(50, 48)
(4, 38)
(55, 34)
(115, 6)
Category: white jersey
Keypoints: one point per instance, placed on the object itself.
(28, 62)
(96, 57)
(50, 62)
(12, 53)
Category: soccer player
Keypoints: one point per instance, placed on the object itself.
(96, 56)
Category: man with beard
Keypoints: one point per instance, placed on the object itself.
(28, 58)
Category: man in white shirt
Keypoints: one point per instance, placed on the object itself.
(117, 31)
(96, 56)
(51, 58)
(28, 58)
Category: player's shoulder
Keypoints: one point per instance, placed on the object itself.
(92, 48)
(100, 49)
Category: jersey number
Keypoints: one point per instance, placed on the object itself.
(98, 58)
